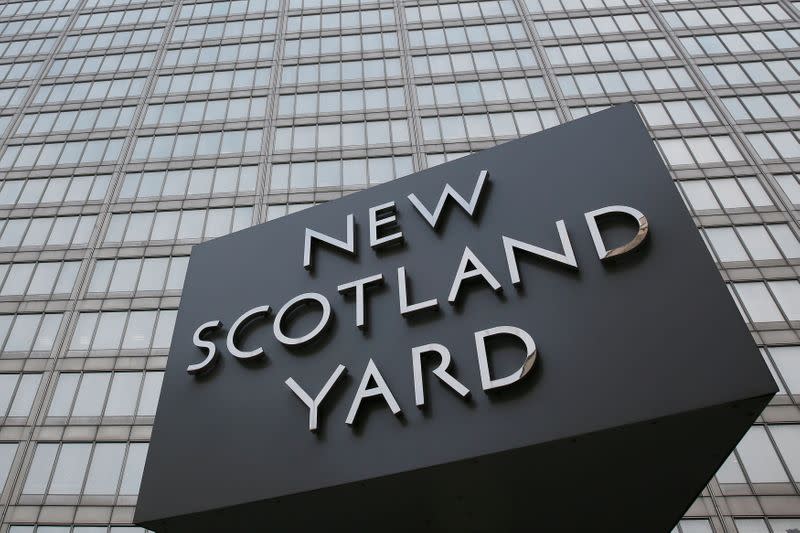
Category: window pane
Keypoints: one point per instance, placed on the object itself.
(759, 457)
(70, 469)
(134, 466)
(41, 467)
(91, 394)
(123, 395)
(105, 469)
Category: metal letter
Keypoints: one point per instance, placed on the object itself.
(511, 245)
(440, 371)
(385, 209)
(297, 301)
(591, 221)
(469, 207)
(468, 258)
(348, 246)
(211, 358)
(380, 389)
(405, 307)
(359, 285)
(483, 363)
(240, 322)
(313, 405)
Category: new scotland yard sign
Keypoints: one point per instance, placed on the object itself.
(529, 338)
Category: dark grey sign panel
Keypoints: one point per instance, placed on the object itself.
(580, 390)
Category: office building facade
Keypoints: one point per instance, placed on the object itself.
(130, 131)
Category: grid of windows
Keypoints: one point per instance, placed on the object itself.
(677, 113)
(625, 81)
(742, 43)
(316, 4)
(326, 136)
(340, 71)
(602, 25)
(344, 44)
(726, 16)
(488, 125)
(461, 10)
(101, 64)
(27, 25)
(154, 274)
(16, 9)
(740, 194)
(752, 72)
(339, 173)
(38, 279)
(226, 53)
(76, 529)
(17, 392)
(112, 19)
(206, 111)
(763, 107)
(753, 243)
(460, 35)
(67, 121)
(115, 39)
(132, 331)
(352, 101)
(74, 468)
(199, 181)
(609, 52)
(195, 144)
(226, 8)
(23, 192)
(342, 20)
(454, 63)
(27, 48)
(699, 150)
(219, 80)
(776, 144)
(22, 70)
(547, 6)
(131, 130)
(477, 92)
(60, 153)
(223, 30)
(11, 97)
(80, 91)
(46, 231)
(760, 525)
(104, 394)
(170, 225)
(24, 334)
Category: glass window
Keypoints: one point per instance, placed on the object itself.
(787, 362)
(70, 469)
(134, 466)
(758, 302)
(787, 438)
(41, 466)
(105, 470)
(91, 394)
(124, 393)
(69, 463)
(7, 452)
(28, 332)
(759, 458)
(17, 392)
